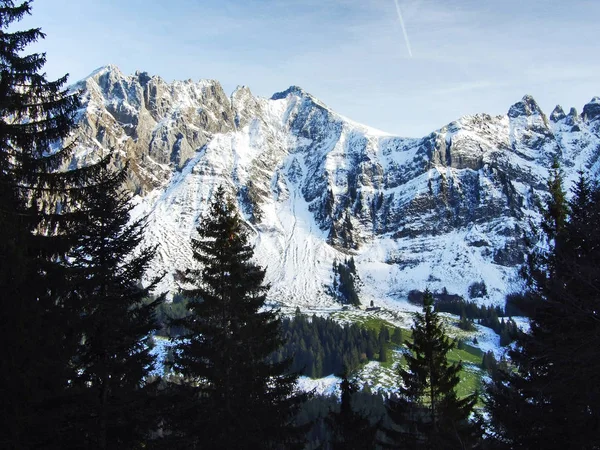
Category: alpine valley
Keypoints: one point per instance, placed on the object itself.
(443, 211)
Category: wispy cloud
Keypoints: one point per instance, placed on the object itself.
(403, 28)
(470, 56)
(468, 86)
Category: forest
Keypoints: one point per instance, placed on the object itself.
(77, 323)
(320, 346)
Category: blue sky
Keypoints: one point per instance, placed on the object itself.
(468, 56)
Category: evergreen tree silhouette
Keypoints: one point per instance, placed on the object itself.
(428, 413)
(39, 223)
(112, 359)
(349, 428)
(548, 397)
(237, 397)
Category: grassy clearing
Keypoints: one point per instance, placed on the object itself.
(470, 381)
(466, 356)
(383, 375)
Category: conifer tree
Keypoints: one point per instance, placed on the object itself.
(489, 363)
(428, 412)
(382, 352)
(39, 221)
(349, 428)
(549, 398)
(112, 359)
(239, 398)
(397, 336)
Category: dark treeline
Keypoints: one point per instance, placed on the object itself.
(491, 365)
(78, 322)
(494, 317)
(352, 423)
(321, 346)
(74, 373)
(515, 305)
(168, 314)
(469, 309)
(344, 282)
(549, 397)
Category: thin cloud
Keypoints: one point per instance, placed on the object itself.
(403, 28)
(468, 86)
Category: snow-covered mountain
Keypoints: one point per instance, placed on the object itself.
(442, 211)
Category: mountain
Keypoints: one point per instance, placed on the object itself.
(444, 211)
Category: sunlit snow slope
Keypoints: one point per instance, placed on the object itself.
(442, 211)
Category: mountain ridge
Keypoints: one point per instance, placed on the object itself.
(442, 211)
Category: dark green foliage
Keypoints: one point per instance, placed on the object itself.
(384, 339)
(397, 336)
(382, 352)
(427, 413)
(379, 201)
(477, 289)
(321, 347)
(466, 324)
(112, 359)
(550, 397)
(346, 232)
(344, 281)
(513, 199)
(168, 315)
(468, 311)
(341, 232)
(250, 198)
(350, 429)
(489, 363)
(352, 186)
(384, 334)
(358, 205)
(517, 305)
(232, 395)
(318, 411)
(329, 204)
(508, 331)
(416, 297)
(39, 221)
(556, 209)
(314, 413)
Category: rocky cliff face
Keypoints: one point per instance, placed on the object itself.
(446, 210)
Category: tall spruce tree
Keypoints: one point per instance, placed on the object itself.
(428, 413)
(350, 429)
(39, 221)
(548, 397)
(238, 398)
(112, 360)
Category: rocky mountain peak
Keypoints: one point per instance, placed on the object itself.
(292, 90)
(306, 98)
(573, 117)
(241, 92)
(557, 114)
(591, 111)
(443, 211)
(526, 107)
(245, 106)
(104, 70)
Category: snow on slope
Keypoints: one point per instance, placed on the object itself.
(294, 251)
(442, 211)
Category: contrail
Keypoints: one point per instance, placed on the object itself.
(403, 28)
